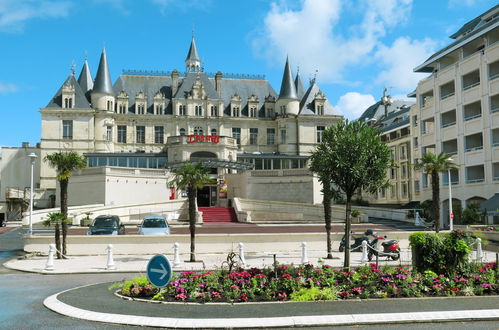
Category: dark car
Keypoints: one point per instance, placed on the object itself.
(106, 225)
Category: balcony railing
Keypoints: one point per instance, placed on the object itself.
(472, 117)
(473, 149)
(471, 86)
(475, 180)
(496, 109)
(448, 124)
(494, 76)
(443, 97)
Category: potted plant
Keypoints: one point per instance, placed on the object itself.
(86, 221)
(355, 214)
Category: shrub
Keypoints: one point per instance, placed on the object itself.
(355, 213)
(442, 252)
(314, 293)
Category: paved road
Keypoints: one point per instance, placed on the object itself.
(23, 293)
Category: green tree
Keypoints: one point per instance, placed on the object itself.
(65, 163)
(351, 156)
(191, 178)
(432, 165)
(56, 219)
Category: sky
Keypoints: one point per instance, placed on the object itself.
(354, 48)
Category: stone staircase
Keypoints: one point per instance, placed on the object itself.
(218, 214)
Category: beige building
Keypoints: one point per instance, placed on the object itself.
(151, 119)
(457, 112)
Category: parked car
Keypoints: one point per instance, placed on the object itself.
(154, 225)
(106, 225)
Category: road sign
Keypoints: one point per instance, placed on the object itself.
(451, 216)
(159, 271)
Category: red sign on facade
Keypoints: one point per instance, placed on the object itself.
(203, 138)
(451, 216)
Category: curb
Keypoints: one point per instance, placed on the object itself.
(59, 307)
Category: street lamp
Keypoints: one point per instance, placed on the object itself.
(451, 215)
(33, 159)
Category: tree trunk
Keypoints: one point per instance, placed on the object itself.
(348, 210)
(191, 195)
(64, 211)
(58, 241)
(435, 188)
(327, 218)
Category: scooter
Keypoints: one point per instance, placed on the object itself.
(391, 249)
(357, 240)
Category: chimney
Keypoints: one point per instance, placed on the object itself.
(174, 82)
(218, 83)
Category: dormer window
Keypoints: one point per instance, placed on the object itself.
(68, 95)
(159, 103)
(214, 111)
(140, 109)
(110, 105)
(252, 112)
(140, 103)
(270, 112)
(236, 112)
(122, 102)
(159, 109)
(320, 110)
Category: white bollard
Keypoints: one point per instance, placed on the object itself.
(479, 252)
(364, 258)
(50, 260)
(176, 256)
(304, 257)
(241, 255)
(110, 262)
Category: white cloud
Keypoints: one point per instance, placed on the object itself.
(6, 88)
(312, 35)
(353, 104)
(165, 5)
(15, 13)
(399, 60)
(459, 3)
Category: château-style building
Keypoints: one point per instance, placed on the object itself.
(149, 120)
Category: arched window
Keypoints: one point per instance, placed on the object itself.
(198, 130)
(182, 131)
(213, 131)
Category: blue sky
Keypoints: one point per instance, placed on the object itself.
(357, 46)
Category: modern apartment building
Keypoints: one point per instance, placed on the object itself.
(457, 112)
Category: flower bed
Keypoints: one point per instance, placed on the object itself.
(307, 283)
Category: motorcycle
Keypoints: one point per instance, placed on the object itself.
(357, 240)
(391, 248)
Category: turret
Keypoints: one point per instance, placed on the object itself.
(85, 80)
(288, 102)
(102, 94)
(300, 91)
(192, 61)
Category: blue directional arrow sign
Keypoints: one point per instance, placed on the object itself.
(159, 271)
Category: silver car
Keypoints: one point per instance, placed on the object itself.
(154, 225)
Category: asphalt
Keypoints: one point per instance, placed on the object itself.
(96, 303)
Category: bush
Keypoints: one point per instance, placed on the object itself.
(472, 214)
(442, 252)
(355, 213)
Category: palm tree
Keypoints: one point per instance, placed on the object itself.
(55, 219)
(191, 178)
(433, 164)
(65, 163)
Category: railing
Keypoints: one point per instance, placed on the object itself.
(471, 86)
(495, 144)
(448, 124)
(496, 178)
(475, 180)
(472, 117)
(443, 97)
(494, 110)
(161, 73)
(494, 76)
(473, 149)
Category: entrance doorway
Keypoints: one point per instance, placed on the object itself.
(207, 196)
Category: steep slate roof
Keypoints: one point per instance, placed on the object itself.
(307, 102)
(193, 52)
(189, 81)
(300, 91)
(377, 110)
(150, 85)
(80, 99)
(245, 88)
(85, 79)
(102, 83)
(288, 89)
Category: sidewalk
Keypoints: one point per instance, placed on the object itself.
(138, 263)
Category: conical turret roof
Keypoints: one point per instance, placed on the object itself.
(300, 91)
(288, 89)
(103, 82)
(85, 79)
(192, 55)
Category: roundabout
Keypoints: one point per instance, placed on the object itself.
(96, 303)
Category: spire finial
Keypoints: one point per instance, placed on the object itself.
(86, 55)
(73, 67)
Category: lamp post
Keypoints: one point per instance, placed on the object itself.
(33, 159)
(451, 215)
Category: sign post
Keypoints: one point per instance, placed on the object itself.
(159, 271)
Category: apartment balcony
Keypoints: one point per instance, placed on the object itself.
(494, 103)
(472, 111)
(471, 56)
(471, 80)
(493, 70)
(448, 118)
(475, 174)
(495, 171)
(454, 177)
(426, 100)
(450, 147)
(473, 142)
(495, 137)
